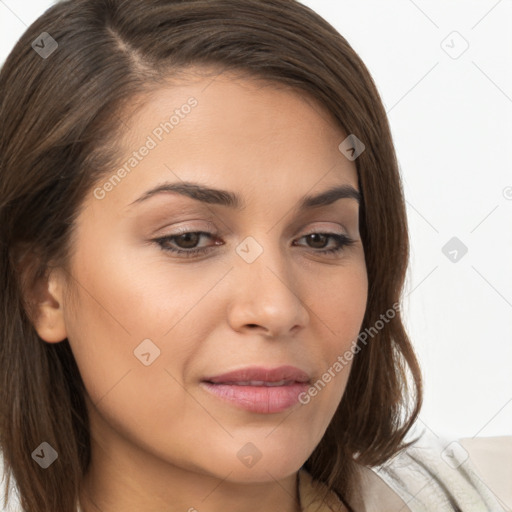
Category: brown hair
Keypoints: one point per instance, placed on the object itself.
(59, 136)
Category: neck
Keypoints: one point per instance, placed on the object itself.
(127, 485)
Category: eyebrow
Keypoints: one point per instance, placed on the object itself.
(232, 200)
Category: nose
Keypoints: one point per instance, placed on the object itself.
(267, 296)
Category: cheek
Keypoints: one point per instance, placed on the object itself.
(337, 307)
(132, 373)
(133, 296)
(340, 304)
(137, 327)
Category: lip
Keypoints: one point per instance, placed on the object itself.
(259, 396)
(260, 373)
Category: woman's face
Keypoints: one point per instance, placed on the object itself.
(150, 325)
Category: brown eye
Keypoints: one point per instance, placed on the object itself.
(320, 240)
(186, 243)
(188, 240)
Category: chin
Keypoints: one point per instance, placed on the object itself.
(276, 465)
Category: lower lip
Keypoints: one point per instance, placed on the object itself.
(260, 399)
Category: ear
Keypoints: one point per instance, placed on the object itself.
(43, 295)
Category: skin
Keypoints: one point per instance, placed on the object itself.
(159, 441)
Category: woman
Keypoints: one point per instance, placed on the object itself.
(204, 244)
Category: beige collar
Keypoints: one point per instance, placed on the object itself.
(373, 495)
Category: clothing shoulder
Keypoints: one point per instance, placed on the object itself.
(13, 505)
(431, 474)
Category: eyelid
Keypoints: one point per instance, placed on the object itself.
(316, 228)
(323, 225)
(209, 227)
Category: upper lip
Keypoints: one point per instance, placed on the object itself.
(259, 373)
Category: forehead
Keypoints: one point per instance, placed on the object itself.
(238, 97)
(258, 136)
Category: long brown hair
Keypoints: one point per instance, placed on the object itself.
(61, 118)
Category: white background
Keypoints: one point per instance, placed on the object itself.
(451, 120)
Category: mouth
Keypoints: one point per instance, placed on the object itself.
(260, 376)
(256, 383)
(259, 390)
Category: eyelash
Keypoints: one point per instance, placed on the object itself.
(343, 241)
